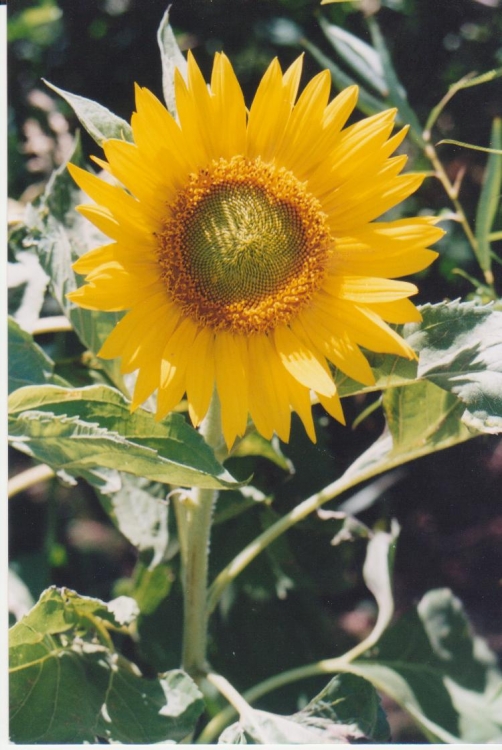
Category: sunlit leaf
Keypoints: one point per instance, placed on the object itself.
(99, 122)
(83, 429)
(27, 284)
(397, 92)
(460, 349)
(367, 103)
(362, 59)
(171, 58)
(140, 512)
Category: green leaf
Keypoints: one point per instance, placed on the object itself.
(28, 363)
(353, 702)
(171, 58)
(460, 350)
(362, 58)
(397, 93)
(346, 711)
(25, 24)
(254, 444)
(430, 664)
(150, 586)
(140, 512)
(489, 199)
(99, 122)
(367, 103)
(79, 429)
(422, 419)
(61, 649)
(472, 677)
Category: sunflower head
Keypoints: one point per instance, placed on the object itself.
(244, 247)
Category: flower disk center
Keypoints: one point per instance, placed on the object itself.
(245, 247)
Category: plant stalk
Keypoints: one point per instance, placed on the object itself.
(194, 511)
(452, 193)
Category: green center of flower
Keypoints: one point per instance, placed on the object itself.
(245, 246)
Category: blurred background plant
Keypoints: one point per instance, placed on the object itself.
(448, 504)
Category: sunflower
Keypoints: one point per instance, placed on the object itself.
(244, 249)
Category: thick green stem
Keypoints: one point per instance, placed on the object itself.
(194, 510)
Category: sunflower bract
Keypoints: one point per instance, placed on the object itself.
(244, 248)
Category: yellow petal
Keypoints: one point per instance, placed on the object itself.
(122, 205)
(372, 202)
(333, 407)
(300, 403)
(291, 79)
(121, 231)
(173, 365)
(232, 369)
(330, 338)
(229, 108)
(268, 116)
(308, 368)
(111, 292)
(148, 362)
(387, 249)
(94, 258)
(366, 328)
(268, 388)
(367, 289)
(399, 311)
(200, 375)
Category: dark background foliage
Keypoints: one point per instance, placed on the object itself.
(305, 599)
